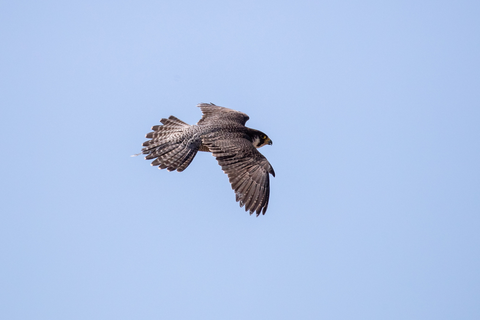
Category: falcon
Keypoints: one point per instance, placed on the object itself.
(221, 131)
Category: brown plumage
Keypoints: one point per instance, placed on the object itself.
(222, 132)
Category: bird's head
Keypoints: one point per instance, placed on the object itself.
(261, 139)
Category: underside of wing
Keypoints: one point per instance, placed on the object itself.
(213, 113)
(247, 169)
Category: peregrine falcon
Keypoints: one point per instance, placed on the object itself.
(222, 132)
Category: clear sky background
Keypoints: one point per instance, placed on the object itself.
(374, 110)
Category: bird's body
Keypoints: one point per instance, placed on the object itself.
(222, 132)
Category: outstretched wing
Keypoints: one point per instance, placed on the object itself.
(213, 113)
(247, 169)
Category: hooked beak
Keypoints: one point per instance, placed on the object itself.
(270, 142)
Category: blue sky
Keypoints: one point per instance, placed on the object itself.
(374, 110)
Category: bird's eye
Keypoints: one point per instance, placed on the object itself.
(264, 137)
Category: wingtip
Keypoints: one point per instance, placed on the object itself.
(204, 104)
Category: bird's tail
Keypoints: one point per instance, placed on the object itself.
(173, 145)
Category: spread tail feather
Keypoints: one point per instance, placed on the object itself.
(172, 146)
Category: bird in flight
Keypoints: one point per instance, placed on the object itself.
(222, 132)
